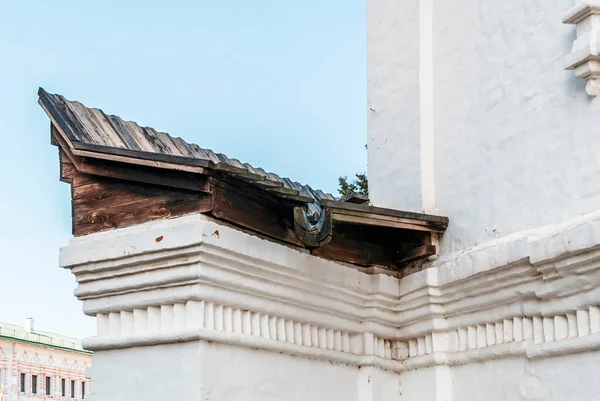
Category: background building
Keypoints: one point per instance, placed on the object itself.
(36, 365)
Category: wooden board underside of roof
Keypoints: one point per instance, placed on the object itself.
(150, 194)
(251, 211)
(375, 245)
(102, 203)
(358, 213)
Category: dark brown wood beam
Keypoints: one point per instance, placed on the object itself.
(146, 175)
(364, 214)
(418, 253)
(249, 210)
(101, 203)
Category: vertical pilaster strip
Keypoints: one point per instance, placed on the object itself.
(426, 104)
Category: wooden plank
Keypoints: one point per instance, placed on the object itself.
(297, 198)
(204, 154)
(67, 168)
(417, 253)
(117, 215)
(362, 253)
(268, 218)
(58, 138)
(166, 140)
(266, 182)
(103, 126)
(290, 194)
(140, 162)
(356, 198)
(147, 175)
(121, 130)
(438, 220)
(61, 127)
(183, 147)
(104, 203)
(370, 219)
(356, 252)
(243, 188)
(87, 127)
(136, 154)
(237, 171)
(55, 108)
(139, 136)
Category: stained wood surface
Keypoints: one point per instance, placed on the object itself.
(385, 221)
(353, 209)
(147, 175)
(122, 174)
(269, 218)
(140, 162)
(108, 195)
(100, 203)
(374, 245)
(356, 198)
(417, 253)
(356, 252)
(67, 168)
(89, 132)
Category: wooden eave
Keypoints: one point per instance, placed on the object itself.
(114, 187)
(363, 214)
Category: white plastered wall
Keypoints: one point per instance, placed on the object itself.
(472, 115)
(514, 134)
(201, 370)
(393, 101)
(570, 377)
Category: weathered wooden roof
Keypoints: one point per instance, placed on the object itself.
(122, 174)
(92, 130)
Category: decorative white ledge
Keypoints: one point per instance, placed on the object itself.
(585, 55)
(533, 295)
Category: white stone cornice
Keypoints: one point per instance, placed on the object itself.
(581, 11)
(143, 282)
(225, 269)
(125, 275)
(585, 55)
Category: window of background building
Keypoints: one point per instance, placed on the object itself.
(63, 387)
(72, 388)
(82, 390)
(48, 385)
(22, 382)
(34, 384)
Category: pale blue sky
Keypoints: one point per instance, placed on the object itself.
(279, 84)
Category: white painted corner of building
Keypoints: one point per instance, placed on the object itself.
(190, 280)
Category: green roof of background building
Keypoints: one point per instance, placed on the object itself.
(53, 340)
